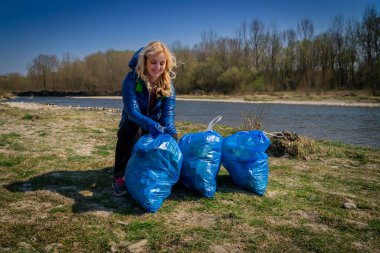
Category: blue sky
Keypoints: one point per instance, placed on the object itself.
(31, 27)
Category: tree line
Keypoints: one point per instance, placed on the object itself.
(258, 58)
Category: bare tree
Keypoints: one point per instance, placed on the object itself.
(66, 69)
(185, 61)
(337, 35)
(273, 52)
(97, 70)
(290, 58)
(258, 40)
(222, 49)
(44, 66)
(370, 43)
(12, 82)
(351, 44)
(207, 46)
(244, 43)
(233, 51)
(305, 29)
(323, 47)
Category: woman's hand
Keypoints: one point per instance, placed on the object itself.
(170, 129)
(155, 129)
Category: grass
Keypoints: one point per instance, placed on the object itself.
(55, 195)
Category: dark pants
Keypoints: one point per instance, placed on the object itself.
(127, 136)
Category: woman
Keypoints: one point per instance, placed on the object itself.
(149, 102)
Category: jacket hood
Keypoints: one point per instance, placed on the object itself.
(133, 62)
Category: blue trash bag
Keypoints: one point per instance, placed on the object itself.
(202, 153)
(152, 170)
(201, 160)
(245, 159)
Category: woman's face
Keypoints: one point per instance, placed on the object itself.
(155, 66)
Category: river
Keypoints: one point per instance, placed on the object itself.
(348, 124)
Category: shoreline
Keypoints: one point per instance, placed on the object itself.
(243, 101)
(114, 111)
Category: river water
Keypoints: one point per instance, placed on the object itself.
(348, 124)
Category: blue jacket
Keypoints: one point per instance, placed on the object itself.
(136, 101)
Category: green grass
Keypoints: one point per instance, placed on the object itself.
(55, 174)
(375, 225)
(104, 150)
(59, 210)
(10, 161)
(42, 133)
(28, 116)
(9, 138)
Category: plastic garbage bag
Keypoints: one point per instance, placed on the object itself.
(152, 170)
(202, 153)
(245, 159)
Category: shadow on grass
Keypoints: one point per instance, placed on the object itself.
(91, 190)
(226, 185)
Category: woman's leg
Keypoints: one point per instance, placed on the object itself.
(127, 136)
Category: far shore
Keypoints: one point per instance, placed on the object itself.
(330, 102)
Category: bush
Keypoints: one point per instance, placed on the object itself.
(292, 145)
(253, 82)
(204, 76)
(229, 80)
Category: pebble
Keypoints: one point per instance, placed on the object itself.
(113, 247)
(25, 246)
(349, 205)
(53, 246)
(219, 249)
(139, 246)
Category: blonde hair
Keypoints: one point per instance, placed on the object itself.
(163, 81)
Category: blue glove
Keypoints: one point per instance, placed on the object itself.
(155, 129)
(170, 129)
